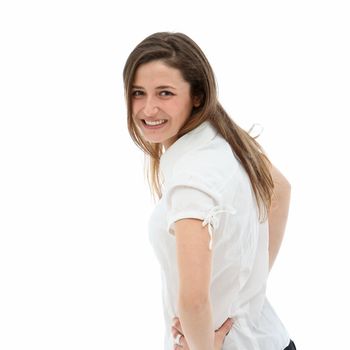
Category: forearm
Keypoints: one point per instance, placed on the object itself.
(197, 325)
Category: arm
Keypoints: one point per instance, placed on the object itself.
(278, 213)
(194, 266)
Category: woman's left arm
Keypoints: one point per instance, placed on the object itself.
(278, 213)
(194, 261)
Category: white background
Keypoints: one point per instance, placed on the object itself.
(76, 267)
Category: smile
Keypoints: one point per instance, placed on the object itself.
(154, 124)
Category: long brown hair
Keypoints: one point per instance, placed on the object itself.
(179, 51)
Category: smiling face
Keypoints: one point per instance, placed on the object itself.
(161, 97)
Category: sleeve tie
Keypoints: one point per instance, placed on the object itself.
(211, 220)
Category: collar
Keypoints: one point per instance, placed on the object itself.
(195, 138)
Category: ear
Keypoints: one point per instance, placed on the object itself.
(196, 101)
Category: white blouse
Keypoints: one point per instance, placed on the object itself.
(203, 179)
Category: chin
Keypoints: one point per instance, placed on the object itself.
(154, 140)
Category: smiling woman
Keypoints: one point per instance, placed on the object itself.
(215, 187)
(161, 102)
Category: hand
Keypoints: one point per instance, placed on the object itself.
(220, 334)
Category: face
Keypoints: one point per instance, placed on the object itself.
(161, 102)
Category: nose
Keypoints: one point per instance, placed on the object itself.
(150, 109)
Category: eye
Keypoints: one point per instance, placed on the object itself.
(137, 93)
(166, 93)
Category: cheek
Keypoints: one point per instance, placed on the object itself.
(179, 106)
(187, 109)
(135, 106)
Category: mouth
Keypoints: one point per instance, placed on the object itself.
(154, 124)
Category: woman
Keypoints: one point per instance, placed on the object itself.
(216, 190)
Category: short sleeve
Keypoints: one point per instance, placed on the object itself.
(190, 197)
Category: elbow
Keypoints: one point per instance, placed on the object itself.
(283, 186)
(280, 181)
(284, 183)
(282, 194)
(288, 186)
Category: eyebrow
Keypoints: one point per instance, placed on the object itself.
(161, 87)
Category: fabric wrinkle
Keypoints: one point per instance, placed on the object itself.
(211, 220)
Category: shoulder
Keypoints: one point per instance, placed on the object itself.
(211, 164)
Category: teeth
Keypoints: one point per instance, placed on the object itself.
(158, 122)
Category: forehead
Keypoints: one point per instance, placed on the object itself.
(157, 72)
